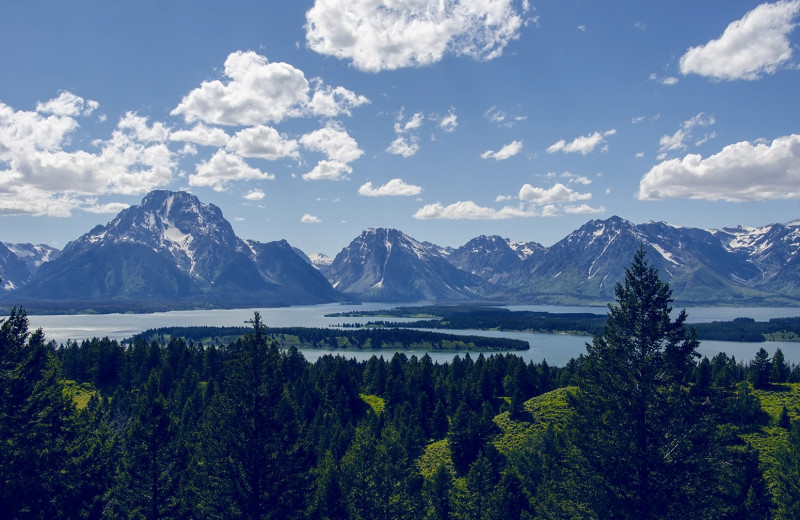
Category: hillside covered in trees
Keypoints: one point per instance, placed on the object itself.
(638, 428)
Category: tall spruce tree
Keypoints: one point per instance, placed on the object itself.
(644, 437)
(249, 437)
(36, 426)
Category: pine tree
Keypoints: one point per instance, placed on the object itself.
(149, 467)
(437, 492)
(643, 436)
(788, 476)
(780, 368)
(761, 369)
(249, 437)
(37, 426)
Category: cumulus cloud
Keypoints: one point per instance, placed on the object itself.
(395, 187)
(755, 45)
(259, 92)
(467, 210)
(310, 219)
(329, 170)
(254, 195)
(263, 142)
(377, 36)
(223, 168)
(406, 143)
(509, 150)
(335, 101)
(583, 209)
(202, 135)
(40, 175)
(67, 104)
(742, 171)
(533, 202)
(110, 208)
(403, 147)
(583, 144)
(556, 193)
(333, 141)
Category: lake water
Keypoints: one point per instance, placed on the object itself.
(557, 349)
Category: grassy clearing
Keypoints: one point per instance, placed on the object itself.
(373, 401)
(79, 393)
(539, 412)
(436, 453)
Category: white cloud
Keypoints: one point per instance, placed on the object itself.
(202, 135)
(310, 219)
(223, 168)
(254, 195)
(67, 104)
(449, 122)
(328, 170)
(402, 147)
(573, 178)
(155, 133)
(334, 142)
(395, 187)
(468, 210)
(413, 123)
(677, 141)
(501, 117)
(509, 150)
(583, 209)
(331, 102)
(111, 208)
(259, 92)
(557, 193)
(39, 175)
(494, 115)
(583, 144)
(263, 142)
(755, 45)
(534, 202)
(739, 172)
(378, 36)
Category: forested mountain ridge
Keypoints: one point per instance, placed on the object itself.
(174, 251)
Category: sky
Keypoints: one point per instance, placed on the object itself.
(312, 121)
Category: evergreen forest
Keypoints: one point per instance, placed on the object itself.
(640, 427)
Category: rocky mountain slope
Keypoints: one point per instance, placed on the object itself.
(172, 248)
(388, 265)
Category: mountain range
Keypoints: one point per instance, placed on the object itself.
(173, 251)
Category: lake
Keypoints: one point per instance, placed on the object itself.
(556, 349)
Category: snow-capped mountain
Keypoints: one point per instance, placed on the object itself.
(774, 250)
(172, 247)
(388, 265)
(493, 258)
(174, 250)
(320, 261)
(700, 267)
(19, 262)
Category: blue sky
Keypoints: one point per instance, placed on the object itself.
(312, 121)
